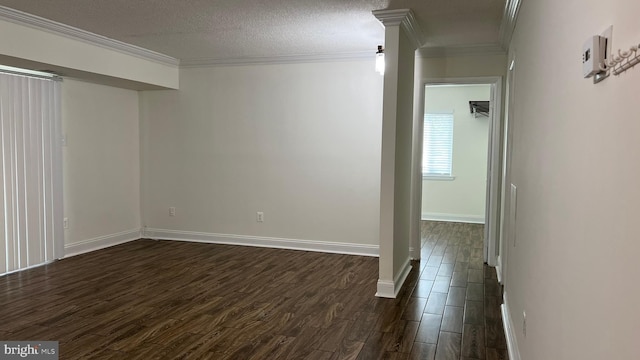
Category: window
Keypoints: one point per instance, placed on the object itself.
(437, 150)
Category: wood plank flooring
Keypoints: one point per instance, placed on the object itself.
(176, 300)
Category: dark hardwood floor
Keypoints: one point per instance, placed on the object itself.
(176, 300)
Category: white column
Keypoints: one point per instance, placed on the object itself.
(396, 174)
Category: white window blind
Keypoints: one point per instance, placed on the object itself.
(31, 195)
(437, 149)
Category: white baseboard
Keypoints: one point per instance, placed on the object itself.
(509, 331)
(499, 269)
(474, 219)
(390, 289)
(101, 242)
(414, 253)
(259, 241)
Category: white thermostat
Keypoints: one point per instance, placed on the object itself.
(593, 53)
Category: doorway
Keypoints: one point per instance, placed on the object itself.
(460, 183)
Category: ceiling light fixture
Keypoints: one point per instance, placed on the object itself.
(380, 60)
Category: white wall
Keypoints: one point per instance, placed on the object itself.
(574, 267)
(300, 142)
(462, 199)
(21, 45)
(101, 166)
(463, 65)
(403, 133)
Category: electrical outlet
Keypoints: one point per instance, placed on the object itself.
(172, 211)
(65, 223)
(524, 324)
(260, 216)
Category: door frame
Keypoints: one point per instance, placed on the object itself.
(507, 146)
(492, 212)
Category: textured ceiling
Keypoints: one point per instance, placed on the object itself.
(235, 29)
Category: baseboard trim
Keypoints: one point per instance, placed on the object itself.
(509, 331)
(390, 289)
(101, 242)
(27, 268)
(499, 269)
(414, 253)
(473, 219)
(260, 241)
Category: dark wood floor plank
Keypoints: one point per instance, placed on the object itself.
(446, 269)
(456, 296)
(434, 260)
(422, 289)
(429, 329)
(349, 350)
(375, 347)
(475, 276)
(459, 278)
(448, 346)
(473, 345)
(495, 335)
(497, 354)
(475, 292)
(436, 303)
(414, 309)
(429, 272)
(441, 284)
(422, 351)
(330, 339)
(452, 319)
(401, 340)
(474, 312)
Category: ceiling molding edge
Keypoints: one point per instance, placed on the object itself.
(274, 60)
(508, 24)
(437, 52)
(404, 18)
(50, 26)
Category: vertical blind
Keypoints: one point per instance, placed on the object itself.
(437, 148)
(30, 168)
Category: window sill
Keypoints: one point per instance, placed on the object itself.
(438, 177)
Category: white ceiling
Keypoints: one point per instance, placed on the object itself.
(235, 29)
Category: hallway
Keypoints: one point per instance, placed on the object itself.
(456, 296)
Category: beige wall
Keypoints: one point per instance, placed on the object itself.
(463, 198)
(299, 142)
(100, 162)
(574, 267)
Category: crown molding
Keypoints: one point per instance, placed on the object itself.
(39, 23)
(273, 60)
(404, 18)
(484, 49)
(508, 24)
